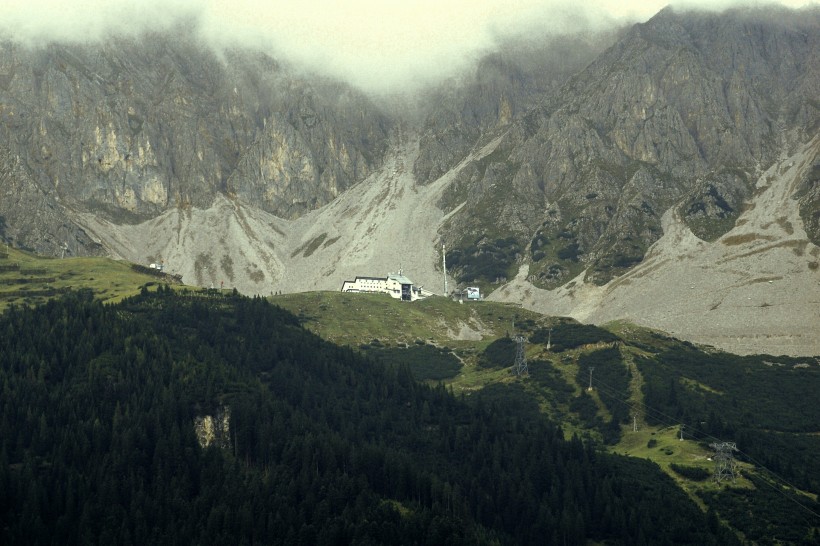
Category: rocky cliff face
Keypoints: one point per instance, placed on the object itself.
(503, 86)
(237, 172)
(808, 195)
(33, 218)
(135, 127)
(684, 111)
(214, 430)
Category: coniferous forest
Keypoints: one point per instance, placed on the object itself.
(98, 445)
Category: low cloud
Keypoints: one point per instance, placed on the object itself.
(35, 22)
(379, 45)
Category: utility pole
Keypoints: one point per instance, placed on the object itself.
(681, 432)
(549, 339)
(634, 422)
(590, 379)
(444, 266)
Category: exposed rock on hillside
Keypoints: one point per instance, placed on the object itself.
(33, 218)
(134, 127)
(809, 199)
(214, 430)
(566, 170)
(756, 289)
(685, 110)
(503, 86)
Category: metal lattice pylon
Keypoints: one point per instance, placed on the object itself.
(520, 366)
(724, 460)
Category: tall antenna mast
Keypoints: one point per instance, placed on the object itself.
(444, 266)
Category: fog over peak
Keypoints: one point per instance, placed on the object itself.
(382, 46)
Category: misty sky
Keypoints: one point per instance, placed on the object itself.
(380, 45)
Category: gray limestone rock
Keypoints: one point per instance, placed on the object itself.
(133, 127)
(685, 110)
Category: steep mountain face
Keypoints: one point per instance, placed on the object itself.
(685, 111)
(136, 127)
(550, 172)
(755, 289)
(33, 218)
(504, 86)
(808, 195)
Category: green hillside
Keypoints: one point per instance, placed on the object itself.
(639, 377)
(98, 441)
(353, 319)
(28, 279)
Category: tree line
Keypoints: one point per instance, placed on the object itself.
(97, 443)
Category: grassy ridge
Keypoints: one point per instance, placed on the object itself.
(27, 279)
(355, 319)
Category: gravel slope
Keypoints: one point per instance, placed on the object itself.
(381, 225)
(754, 290)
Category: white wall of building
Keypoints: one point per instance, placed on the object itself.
(392, 285)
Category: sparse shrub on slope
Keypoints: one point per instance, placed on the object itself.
(498, 354)
(571, 335)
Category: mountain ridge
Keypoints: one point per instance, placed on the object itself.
(753, 290)
(644, 125)
(532, 169)
(132, 128)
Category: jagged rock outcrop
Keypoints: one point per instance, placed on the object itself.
(503, 86)
(131, 128)
(557, 164)
(214, 430)
(685, 111)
